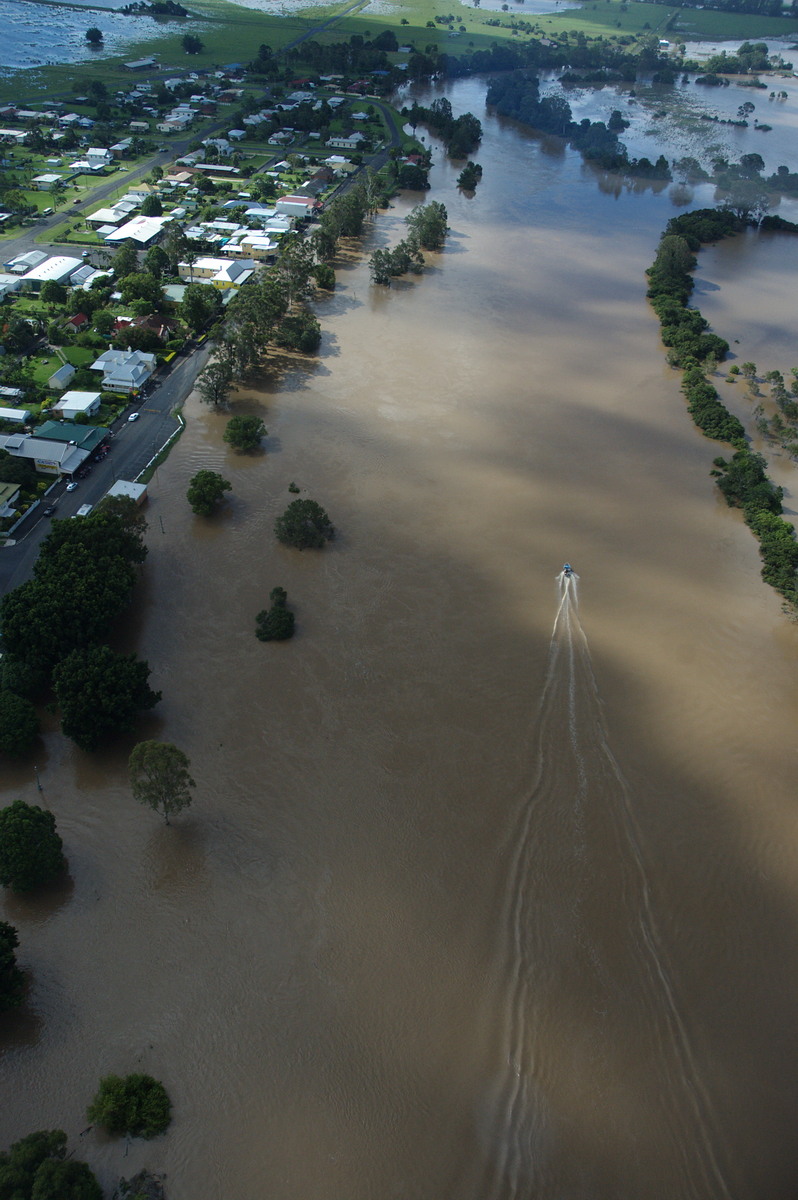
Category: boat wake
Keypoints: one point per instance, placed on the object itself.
(592, 1036)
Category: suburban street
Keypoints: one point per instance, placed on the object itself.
(135, 443)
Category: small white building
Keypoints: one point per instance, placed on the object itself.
(132, 491)
(72, 403)
(62, 378)
(17, 416)
(294, 206)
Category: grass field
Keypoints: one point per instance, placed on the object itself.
(231, 34)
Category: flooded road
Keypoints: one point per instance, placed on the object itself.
(490, 886)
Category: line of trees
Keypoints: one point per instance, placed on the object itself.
(742, 479)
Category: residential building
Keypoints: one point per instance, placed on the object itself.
(221, 272)
(124, 370)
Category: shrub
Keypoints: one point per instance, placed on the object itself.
(136, 1105)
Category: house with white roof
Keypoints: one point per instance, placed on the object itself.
(72, 403)
(351, 142)
(43, 182)
(221, 272)
(142, 230)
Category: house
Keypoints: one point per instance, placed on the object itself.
(221, 272)
(258, 246)
(78, 322)
(124, 370)
(43, 182)
(11, 395)
(351, 142)
(140, 64)
(61, 378)
(72, 403)
(221, 145)
(163, 327)
(99, 156)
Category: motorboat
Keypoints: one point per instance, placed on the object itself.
(567, 570)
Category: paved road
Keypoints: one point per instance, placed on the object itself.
(134, 444)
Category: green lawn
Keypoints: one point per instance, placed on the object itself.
(80, 356)
(44, 366)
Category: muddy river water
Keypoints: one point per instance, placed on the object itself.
(490, 886)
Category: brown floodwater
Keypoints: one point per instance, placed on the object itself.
(490, 886)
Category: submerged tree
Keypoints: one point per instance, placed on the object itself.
(275, 624)
(244, 433)
(304, 524)
(136, 1105)
(205, 491)
(159, 777)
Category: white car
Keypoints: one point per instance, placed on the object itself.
(134, 416)
(70, 487)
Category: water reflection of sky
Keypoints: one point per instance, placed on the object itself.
(35, 34)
